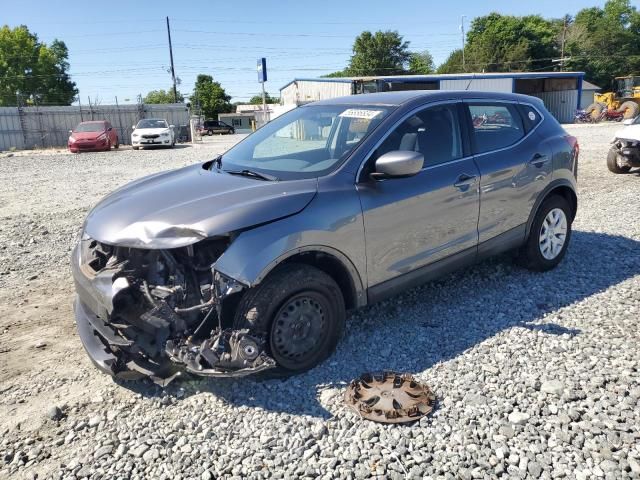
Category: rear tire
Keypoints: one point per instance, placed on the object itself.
(630, 109)
(136, 148)
(612, 162)
(210, 133)
(117, 145)
(549, 236)
(300, 310)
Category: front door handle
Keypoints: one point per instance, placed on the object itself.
(539, 159)
(464, 180)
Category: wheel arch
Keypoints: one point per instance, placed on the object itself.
(332, 262)
(561, 187)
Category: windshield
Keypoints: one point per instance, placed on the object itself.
(152, 123)
(306, 142)
(90, 127)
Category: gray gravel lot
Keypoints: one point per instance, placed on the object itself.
(537, 375)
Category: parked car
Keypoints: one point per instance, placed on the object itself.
(93, 136)
(209, 127)
(624, 153)
(249, 261)
(152, 132)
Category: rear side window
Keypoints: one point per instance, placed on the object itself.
(495, 125)
(530, 117)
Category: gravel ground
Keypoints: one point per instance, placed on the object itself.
(537, 375)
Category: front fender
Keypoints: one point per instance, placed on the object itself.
(332, 224)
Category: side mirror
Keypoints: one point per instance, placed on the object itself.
(70, 132)
(133, 127)
(398, 164)
(628, 121)
(172, 126)
(109, 129)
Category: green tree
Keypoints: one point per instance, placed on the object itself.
(453, 63)
(502, 43)
(35, 71)
(421, 63)
(162, 96)
(210, 97)
(340, 74)
(605, 42)
(379, 53)
(257, 99)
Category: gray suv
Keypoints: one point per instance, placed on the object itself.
(249, 261)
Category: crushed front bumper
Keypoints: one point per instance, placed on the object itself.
(156, 354)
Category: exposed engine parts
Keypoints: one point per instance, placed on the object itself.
(389, 397)
(225, 353)
(164, 312)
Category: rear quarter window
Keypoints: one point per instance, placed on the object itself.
(530, 117)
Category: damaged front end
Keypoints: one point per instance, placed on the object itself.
(157, 313)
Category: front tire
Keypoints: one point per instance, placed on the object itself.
(612, 162)
(300, 310)
(549, 237)
(210, 133)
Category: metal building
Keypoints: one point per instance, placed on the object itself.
(560, 91)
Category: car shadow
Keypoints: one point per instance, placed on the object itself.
(435, 323)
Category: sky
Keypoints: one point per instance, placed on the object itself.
(120, 48)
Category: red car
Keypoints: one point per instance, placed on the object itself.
(93, 136)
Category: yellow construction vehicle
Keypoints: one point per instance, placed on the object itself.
(625, 98)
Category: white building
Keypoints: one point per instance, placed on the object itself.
(560, 91)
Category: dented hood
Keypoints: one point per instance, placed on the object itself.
(178, 208)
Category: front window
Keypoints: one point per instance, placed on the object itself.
(90, 127)
(306, 142)
(434, 132)
(151, 123)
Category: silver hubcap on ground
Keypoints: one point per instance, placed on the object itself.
(553, 234)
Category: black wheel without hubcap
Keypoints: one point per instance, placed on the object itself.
(301, 311)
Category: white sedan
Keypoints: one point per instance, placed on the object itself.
(152, 132)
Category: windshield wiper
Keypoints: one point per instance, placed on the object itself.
(253, 174)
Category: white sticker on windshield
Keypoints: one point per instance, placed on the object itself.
(532, 116)
(361, 113)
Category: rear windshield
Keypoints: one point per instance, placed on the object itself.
(151, 123)
(90, 127)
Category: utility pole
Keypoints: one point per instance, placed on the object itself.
(173, 72)
(564, 34)
(462, 31)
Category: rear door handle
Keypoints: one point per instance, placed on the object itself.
(464, 180)
(539, 159)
